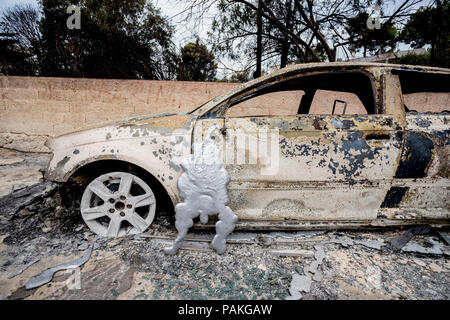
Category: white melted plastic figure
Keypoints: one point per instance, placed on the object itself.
(203, 187)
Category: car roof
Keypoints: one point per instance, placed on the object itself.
(356, 65)
(317, 66)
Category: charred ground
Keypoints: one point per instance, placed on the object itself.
(35, 223)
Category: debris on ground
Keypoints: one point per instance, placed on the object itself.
(47, 275)
(21, 270)
(352, 264)
(399, 242)
(20, 169)
(10, 161)
(21, 198)
(373, 244)
(433, 247)
(373, 277)
(299, 284)
(443, 236)
(292, 253)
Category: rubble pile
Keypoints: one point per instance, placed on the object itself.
(39, 232)
(36, 211)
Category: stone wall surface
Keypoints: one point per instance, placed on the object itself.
(50, 106)
(35, 108)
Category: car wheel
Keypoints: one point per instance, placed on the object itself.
(117, 204)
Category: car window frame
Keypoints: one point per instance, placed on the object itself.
(219, 109)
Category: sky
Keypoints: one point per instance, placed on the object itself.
(185, 32)
(7, 3)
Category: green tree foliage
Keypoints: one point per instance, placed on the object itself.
(239, 77)
(370, 41)
(12, 60)
(118, 39)
(430, 26)
(197, 63)
(414, 59)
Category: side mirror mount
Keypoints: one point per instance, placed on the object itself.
(340, 101)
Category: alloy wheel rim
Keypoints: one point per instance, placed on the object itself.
(117, 204)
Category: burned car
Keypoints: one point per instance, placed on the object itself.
(324, 145)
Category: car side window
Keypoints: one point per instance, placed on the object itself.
(342, 102)
(283, 103)
(432, 102)
(324, 93)
(425, 92)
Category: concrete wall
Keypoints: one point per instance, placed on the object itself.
(33, 108)
(51, 106)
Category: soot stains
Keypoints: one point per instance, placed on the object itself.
(393, 197)
(416, 156)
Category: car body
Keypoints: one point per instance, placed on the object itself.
(380, 161)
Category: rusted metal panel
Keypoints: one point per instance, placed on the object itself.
(421, 188)
(307, 203)
(154, 144)
(428, 122)
(348, 160)
(379, 222)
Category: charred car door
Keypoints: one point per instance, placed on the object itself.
(310, 148)
(421, 186)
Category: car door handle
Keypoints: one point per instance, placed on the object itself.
(378, 136)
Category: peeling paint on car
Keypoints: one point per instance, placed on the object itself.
(416, 156)
(377, 169)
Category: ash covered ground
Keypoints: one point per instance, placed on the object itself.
(306, 265)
